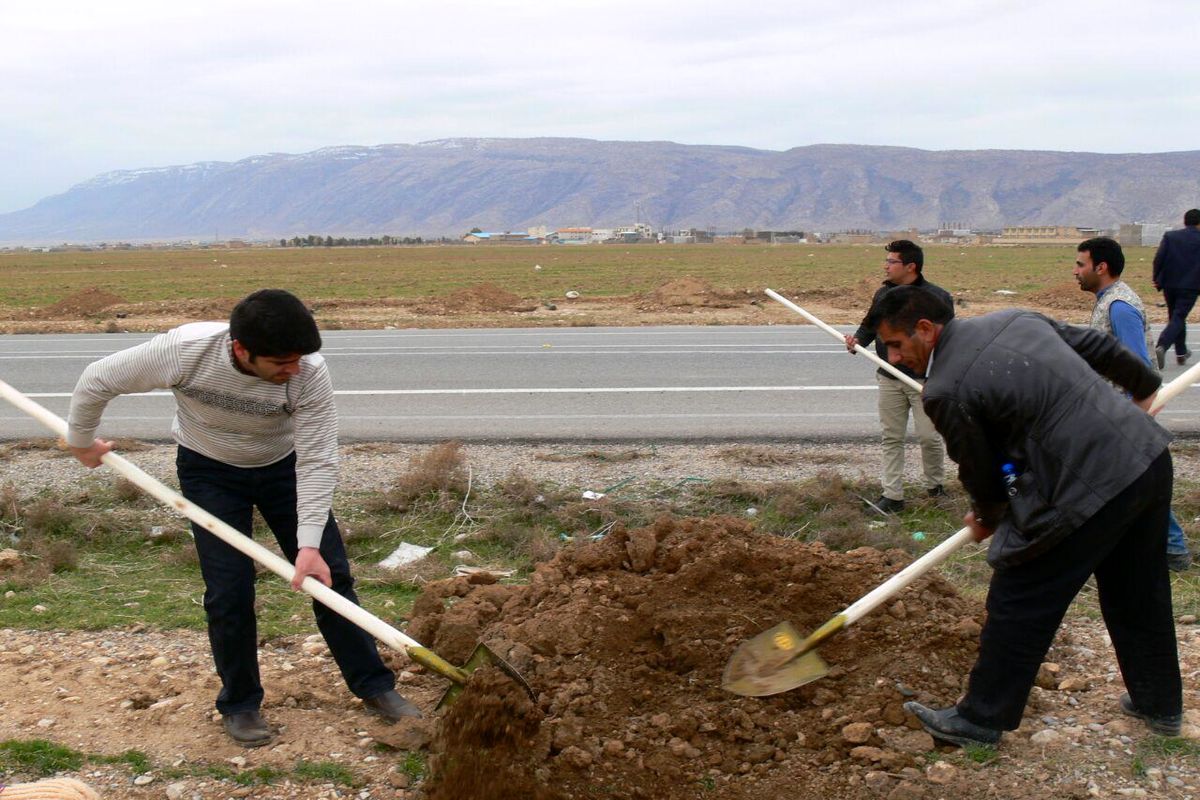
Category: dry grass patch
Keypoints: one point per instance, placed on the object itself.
(439, 475)
(606, 456)
(757, 456)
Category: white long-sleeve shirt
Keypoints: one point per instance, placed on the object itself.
(225, 414)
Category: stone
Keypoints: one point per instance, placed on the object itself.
(9, 559)
(159, 661)
(857, 732)
(907, 790)
(576, 757)
(866, 753)
(1046, 737)
(878, 781)
(143, 779)
(940, 773)
(1186, 619)
(968, 628)
(904, 740)
(176, 791)
(1073, 684)
(1047, 676)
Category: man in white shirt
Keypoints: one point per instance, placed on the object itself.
(256, 428)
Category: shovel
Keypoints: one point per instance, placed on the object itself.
(780, 659)
(458, 676)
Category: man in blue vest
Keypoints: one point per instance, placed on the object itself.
(1118, 312)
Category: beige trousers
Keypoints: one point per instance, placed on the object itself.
(896, 398)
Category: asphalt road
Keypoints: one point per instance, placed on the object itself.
(671, 383)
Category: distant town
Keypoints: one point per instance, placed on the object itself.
(1129, 234)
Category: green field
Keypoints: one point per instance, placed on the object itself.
(372, 273)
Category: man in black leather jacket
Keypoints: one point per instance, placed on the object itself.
(1088, 493)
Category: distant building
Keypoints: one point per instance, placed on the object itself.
(505, 237)
(573, 236)
(1044, 234)
(1147, 234)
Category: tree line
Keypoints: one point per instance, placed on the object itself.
(312, 240)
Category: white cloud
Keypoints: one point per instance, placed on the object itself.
(133, 83)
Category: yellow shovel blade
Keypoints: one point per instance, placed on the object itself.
(772, 662)
(482, 656)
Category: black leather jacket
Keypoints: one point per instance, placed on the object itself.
(1018, 387)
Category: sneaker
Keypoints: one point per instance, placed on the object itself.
(247, 728)
(886, 505)
(1168, 725)
(1178, 562)
(391, 706)
(1183, 359)
(1160, 355)
(948, 726)
(938, 491)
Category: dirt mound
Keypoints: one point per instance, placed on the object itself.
(690, 292)
(1060, 297)
(856, 298)
(84, 303)
(624, 641)
(481, 297)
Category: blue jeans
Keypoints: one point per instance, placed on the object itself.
(1176, 544)
(231, 494)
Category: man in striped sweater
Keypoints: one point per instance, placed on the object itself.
(256, 427)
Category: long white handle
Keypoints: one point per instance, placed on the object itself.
(1167, 393)
(858, 348)
(870, 601)
(280, 566)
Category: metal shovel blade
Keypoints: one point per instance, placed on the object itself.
(772, 662)
(482, 656)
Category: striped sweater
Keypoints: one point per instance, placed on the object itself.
(224, 414)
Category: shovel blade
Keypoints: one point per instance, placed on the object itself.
(772, 662)
(483, 656)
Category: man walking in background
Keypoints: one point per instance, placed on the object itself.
(902, 266)
(256, 428)
(1119, 312)
(1177, 276)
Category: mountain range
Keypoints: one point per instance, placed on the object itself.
(450, 186)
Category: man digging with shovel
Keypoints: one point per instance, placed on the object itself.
(1069, 479)
(256, 427)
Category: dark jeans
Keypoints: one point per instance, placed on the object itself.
(1124, 546)
(231, 494)
(1179, 305)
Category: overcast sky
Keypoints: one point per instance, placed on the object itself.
(88, 88)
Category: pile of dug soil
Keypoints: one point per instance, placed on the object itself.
(481, 297)
(84, 303)
(624, 641)
(690, 292)
(1059, 297)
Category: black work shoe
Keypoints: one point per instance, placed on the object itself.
(391, 706)
(1168, 725)
(1178, 562)
(948, 726)
(1160, 355)
(886, 505)
(1183, 359)
(937, 491)
(247, 728)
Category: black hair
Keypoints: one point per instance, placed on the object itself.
(903, 306)
(1102, 248)
(909, 252)
(1191, 216)
(274, 323)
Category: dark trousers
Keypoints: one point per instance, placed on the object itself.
(1124, 546)
(231, 494)
(1179, 305)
